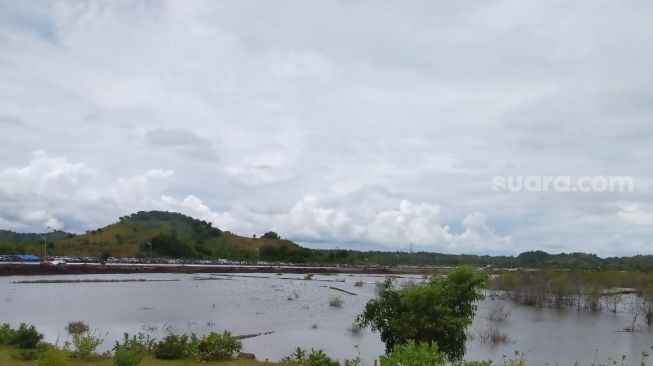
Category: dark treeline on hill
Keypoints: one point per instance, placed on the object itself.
(174, 235)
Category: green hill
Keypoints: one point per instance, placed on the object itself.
(172, 235)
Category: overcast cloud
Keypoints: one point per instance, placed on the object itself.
(346, 124)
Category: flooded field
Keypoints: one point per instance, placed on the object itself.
(298, 313)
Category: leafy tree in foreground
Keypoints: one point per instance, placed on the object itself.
(435, 312)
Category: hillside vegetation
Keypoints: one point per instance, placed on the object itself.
(172, 235)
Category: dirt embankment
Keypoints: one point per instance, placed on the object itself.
(7, 269)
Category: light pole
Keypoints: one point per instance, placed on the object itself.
(45, 243)
(150, 244)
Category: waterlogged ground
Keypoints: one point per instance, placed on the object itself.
(299, 314)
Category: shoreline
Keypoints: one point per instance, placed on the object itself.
(14, 269)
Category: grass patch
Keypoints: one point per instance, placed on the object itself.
(6, 360)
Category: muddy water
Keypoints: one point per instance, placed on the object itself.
(299, 314)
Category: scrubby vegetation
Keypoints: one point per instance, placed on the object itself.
(438, 311)
(77, 327)
(336, 301)
(85, 345)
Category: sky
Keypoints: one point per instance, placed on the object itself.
(350, 124)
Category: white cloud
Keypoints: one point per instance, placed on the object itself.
(283, 117)
(633, 213)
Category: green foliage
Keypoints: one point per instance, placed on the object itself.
(172, 347)
(77, 327)
(414, 354)
(299, 355)
(271, 235)
(132, 350)
(218, 347)
(26, 336)
(53, 356)
(315, 358)
(105, 256)
(85, 345)
(212, 347)
(169, 245)
(358, 283)
(439, 311)
(478, 363)
(26, 354)
(127, 357)
(7, 334)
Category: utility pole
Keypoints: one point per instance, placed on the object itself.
(45, 246)
(150, 244)
(45, 243)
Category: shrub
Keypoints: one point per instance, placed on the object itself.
(336, 301)
(477, 363)
(26, 354)
(319, 358)
(77, 327)
(143, 343)
(131, 351)
(492, 335)
(218, 347)
(358, 283)
(315, 358)
(172, 347)
(85, 345)
(7, 334)
(498, 312)
(53, 357)
(414, 354)
(296, 357)
(26, 336)
(127, 357)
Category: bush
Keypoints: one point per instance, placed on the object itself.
(315, 358)
(336, 301)
(53, 357)
(172, 347)
(435, 312)
(218, 347)
(127, 357)
(77, 327)
(358, 283)
(27, 354)
(498, 312)
(132, 349)
(492, 335)
(7, 334)
(85, 345)
(414, 354)
(26, 336)
(143, 342)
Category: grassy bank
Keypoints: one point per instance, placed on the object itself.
(6, 360)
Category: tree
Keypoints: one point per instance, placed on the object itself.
(436, 312)
(271, 235)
